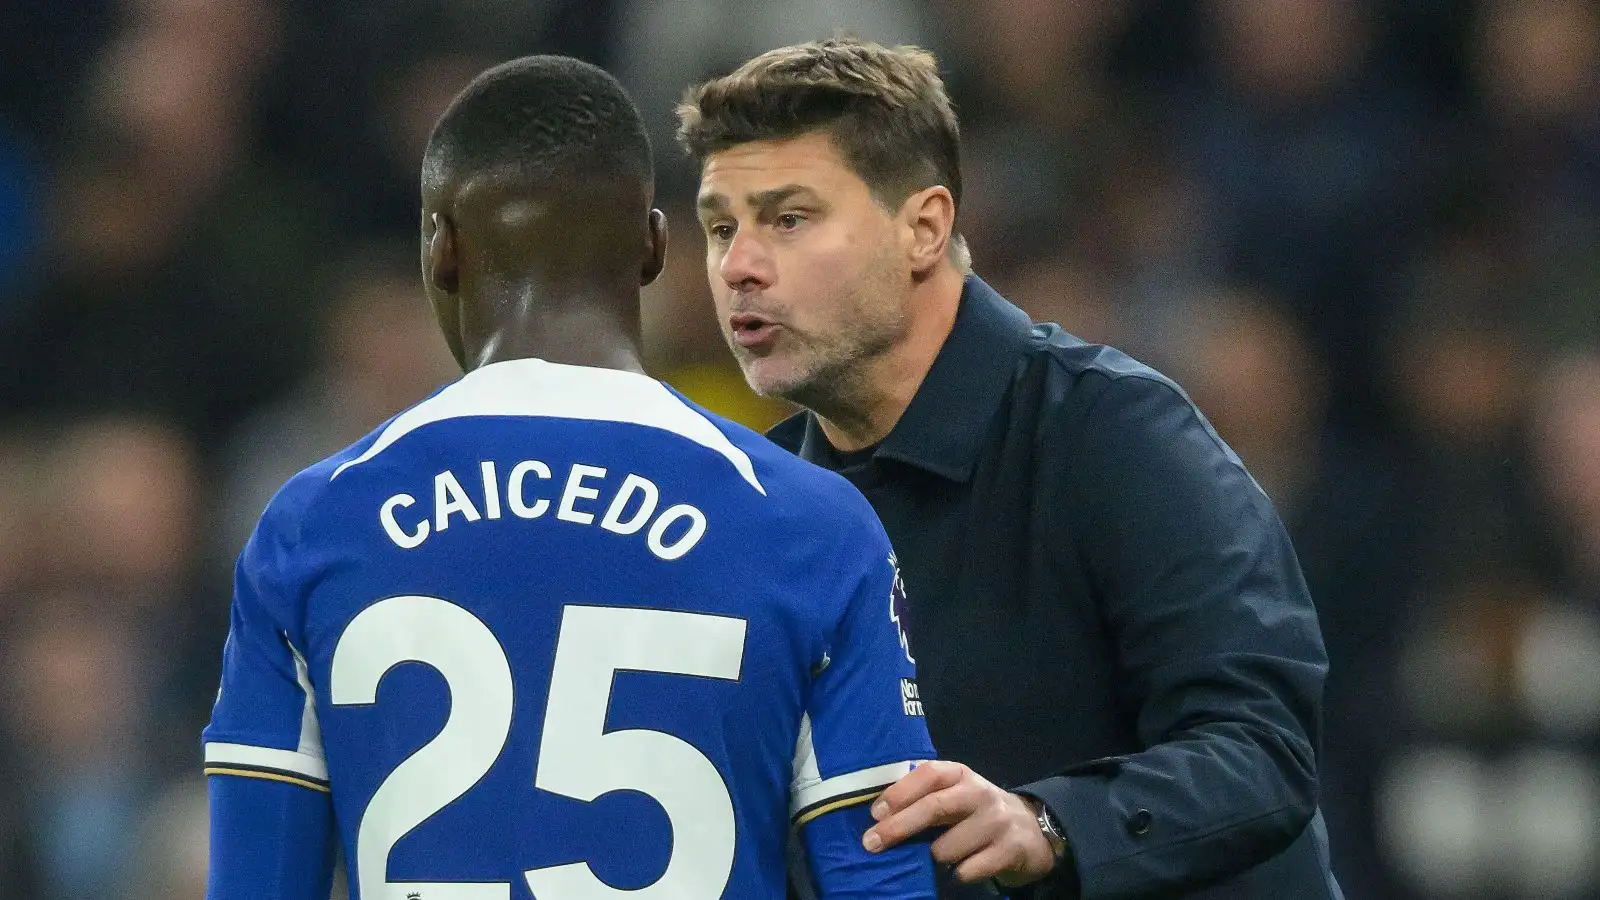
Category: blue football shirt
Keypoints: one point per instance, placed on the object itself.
(557, 632)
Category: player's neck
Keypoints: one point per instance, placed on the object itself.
(871, 401)
(573, 328)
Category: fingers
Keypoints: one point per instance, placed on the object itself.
(916, 784)
(942, 808)
(993, 860)
(966, 838)
(914, 803)
(992, 834)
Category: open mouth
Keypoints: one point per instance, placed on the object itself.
(752, 331)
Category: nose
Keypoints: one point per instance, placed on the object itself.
(746, 265)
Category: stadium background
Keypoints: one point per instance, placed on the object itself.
(1364, 233)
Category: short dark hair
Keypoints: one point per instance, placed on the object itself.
(555, 118)
(885, 108)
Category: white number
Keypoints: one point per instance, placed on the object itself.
(463, 650)
(577, 757)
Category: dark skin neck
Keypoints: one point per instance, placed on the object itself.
(518, 273)
(573, 326)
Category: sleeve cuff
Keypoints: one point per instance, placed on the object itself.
(812, 799)
(271, 764)
(1062, 883)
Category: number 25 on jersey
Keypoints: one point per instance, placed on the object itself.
(577, 757)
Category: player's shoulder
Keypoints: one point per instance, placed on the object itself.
(810, 496)
(545, 396)
(305, 495)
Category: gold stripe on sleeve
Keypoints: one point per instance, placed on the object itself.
(832, 805)
(269, 776)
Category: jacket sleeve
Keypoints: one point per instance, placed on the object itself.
(1220, 657)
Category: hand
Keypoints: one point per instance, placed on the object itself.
(992, 834)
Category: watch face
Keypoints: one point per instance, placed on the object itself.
(1048, 823)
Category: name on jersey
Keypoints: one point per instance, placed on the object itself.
(588, 495)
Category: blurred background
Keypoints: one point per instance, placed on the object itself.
(1365, 234)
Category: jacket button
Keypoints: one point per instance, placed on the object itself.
(1139, 823)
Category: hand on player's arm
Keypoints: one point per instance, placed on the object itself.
(992, 833)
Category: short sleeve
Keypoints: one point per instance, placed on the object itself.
(264, 723)
(864, 725)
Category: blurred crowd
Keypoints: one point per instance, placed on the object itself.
(1365, 235)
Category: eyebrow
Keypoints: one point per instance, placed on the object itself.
(759, 199)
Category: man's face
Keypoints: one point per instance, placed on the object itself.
(805, 266)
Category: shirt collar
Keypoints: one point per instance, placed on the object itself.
(944, 427)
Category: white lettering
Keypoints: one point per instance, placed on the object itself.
(910, 698)
(449, 497)
(576, 491)
(651, 495)
(514, 495)
(697, 530)
(629, 510)
(401, 539)
(491, 490)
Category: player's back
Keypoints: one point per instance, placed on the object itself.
(561, 630)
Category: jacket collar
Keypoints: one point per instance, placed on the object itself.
(944, 427)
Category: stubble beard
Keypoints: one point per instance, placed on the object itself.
(833, 376)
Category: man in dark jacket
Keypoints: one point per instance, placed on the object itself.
(1116, 649)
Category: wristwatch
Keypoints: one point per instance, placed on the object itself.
(1051, 829)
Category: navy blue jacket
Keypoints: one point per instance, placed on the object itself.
(1105, 610)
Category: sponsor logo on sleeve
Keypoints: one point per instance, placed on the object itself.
(899, 607)
(910, 700)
